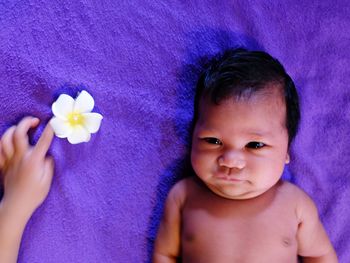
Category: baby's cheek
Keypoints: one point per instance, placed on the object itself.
(198, 160)
(195, 159)
(269, 171)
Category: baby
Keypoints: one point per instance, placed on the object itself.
(237, 208)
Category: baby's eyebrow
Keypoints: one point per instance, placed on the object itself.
(206, 130)
(260, 133)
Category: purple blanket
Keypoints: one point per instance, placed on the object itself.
(139, 60)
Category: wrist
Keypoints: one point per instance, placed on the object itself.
(11, 212)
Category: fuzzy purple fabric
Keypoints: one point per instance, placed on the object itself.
(139, 60)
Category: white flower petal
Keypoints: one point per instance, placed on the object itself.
(79, 134)
(92, 121)
(84, 102)
(61, 128)
(63, 106)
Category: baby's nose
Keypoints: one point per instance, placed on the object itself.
(232, 159)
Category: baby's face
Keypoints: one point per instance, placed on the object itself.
(240, 147)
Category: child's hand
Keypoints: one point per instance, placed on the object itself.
(27, 172)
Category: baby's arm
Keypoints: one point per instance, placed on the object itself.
(27, 175)
(313, 243)
(167, 245)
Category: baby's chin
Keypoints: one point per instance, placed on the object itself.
(234, 193)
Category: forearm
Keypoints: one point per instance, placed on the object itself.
(11, 231)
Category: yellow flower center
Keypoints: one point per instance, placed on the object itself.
(75, 119)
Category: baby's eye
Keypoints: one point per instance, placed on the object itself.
(255, 145)
(212, 140)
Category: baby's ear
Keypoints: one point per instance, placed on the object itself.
(287, 158)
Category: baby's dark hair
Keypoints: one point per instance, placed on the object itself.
(239, 73)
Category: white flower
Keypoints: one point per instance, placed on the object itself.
(73, 119)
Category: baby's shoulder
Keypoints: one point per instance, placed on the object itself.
(183, 186)
(298, 197)
(293, 191)
(180, 190)
(186, 188)
(287, 188)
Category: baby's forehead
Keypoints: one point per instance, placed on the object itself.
(265, 108)
(271, 94)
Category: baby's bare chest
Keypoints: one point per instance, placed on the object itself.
(233, 232)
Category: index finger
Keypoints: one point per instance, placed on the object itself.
(44, 142)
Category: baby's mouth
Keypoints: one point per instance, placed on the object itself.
(227, 178)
